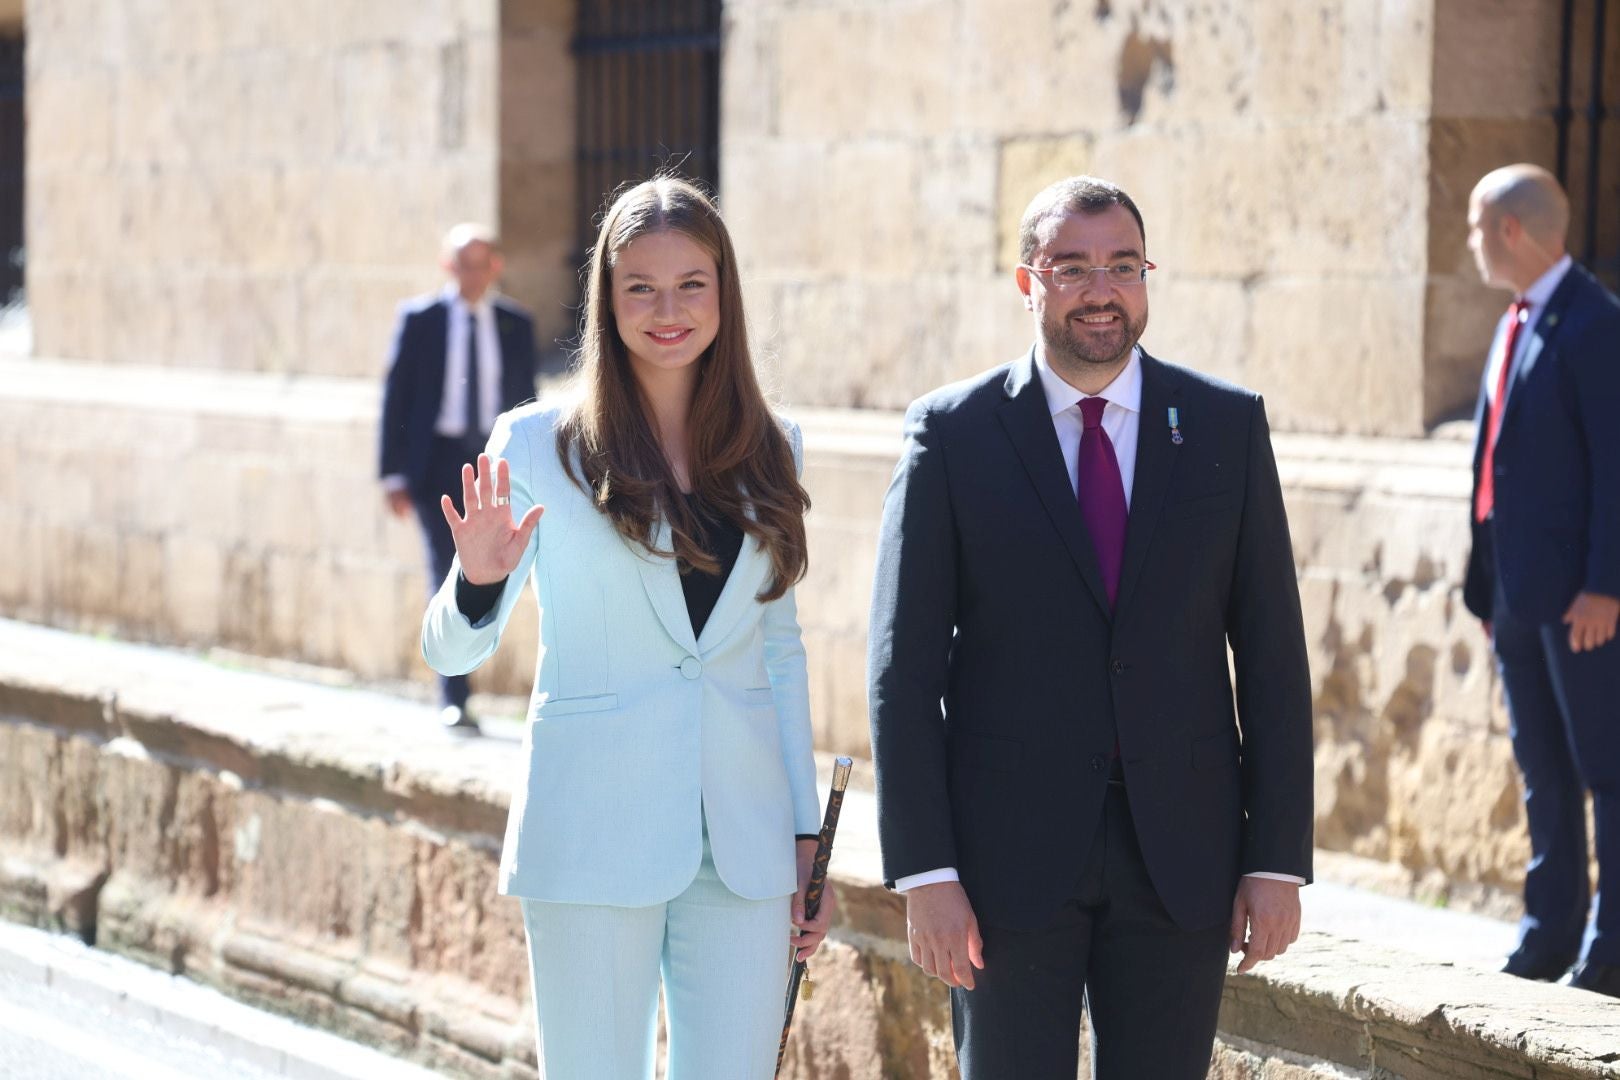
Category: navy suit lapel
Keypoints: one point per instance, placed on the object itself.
(513, 390)
(1028, 422)
(435, 355)
(1156, 456)
(1542, 331)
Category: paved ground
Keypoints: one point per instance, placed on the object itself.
(68, 1012)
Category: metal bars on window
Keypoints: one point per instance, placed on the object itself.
(1588, 144)
(11, 169)
(649, 98)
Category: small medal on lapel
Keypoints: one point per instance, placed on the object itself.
(1175, 426)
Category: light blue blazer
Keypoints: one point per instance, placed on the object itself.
(637, 731)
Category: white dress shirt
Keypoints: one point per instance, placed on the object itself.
(1536, 296)
(1122, 420)
(452, 421)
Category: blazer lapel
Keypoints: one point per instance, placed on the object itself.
(663, 584)
(742, 585)
(1541, 332)
(1028, 423)
(1156, 456)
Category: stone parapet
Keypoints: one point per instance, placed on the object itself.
(331, 854)
(239, 511)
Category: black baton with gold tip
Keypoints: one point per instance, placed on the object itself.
(812, 893)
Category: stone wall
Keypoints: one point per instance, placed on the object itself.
(1303, 168)
(209, 509)
(255, 187)
(247, 832)
(239, 511)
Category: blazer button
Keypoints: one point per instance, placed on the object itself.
(691, 667)
(1099, 763)
(1117, 667)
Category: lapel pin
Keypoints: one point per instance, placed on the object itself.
(1175, 426)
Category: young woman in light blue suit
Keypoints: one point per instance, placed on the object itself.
(664, 823)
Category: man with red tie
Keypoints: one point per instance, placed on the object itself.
(1070, 544)
(1544, 572)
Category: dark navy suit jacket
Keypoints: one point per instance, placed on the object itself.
(414, 389)
(1556, 522)
(1000, 679)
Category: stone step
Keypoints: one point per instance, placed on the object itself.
(162, 801)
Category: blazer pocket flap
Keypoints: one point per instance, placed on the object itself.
(988, 752)
(1213, 751)
(567, 705)
(759, 697)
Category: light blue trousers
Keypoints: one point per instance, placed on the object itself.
(596, 971)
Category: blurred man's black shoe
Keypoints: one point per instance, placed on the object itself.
(1598, 978)
(457, 720)
(1536, 966)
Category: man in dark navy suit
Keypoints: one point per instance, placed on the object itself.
(460, 357)
(1544, 572)
(1070, 543)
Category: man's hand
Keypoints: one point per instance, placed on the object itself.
(943, 932)
(1268, 910)
(399, 501)
(1591, 620)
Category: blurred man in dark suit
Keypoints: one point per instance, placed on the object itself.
(1544, 572)
(460, 357)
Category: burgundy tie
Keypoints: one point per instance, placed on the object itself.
(1102, 494)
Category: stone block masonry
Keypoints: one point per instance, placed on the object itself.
(1303, 168)
(255, 187)
(239, 511)
(331, 854)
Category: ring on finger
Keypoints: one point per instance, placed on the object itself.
(501, 500)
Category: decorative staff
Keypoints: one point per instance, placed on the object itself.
(812, 894)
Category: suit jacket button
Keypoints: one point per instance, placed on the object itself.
(691, 667)
(1099, 763)
(1118, 667)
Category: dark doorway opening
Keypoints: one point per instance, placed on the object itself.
(649, 98)
(1588, 142)
(11, 169)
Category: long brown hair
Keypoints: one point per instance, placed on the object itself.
(740, 461)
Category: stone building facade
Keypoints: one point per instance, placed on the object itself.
(226, 201)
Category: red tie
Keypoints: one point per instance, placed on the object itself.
(1485, 492)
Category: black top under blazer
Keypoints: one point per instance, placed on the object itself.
(999, 679)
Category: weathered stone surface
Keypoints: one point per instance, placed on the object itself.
(286, 169)
(1289, 153)
(255, 839)
(1413, 765)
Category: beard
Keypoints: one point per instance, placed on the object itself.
(1079, 350)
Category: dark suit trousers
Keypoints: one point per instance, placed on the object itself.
(1153, 990)
(1565, 712)
(444, 478)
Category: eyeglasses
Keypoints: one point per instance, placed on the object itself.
(1066, 276)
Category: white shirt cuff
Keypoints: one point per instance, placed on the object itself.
(930, 877)
(1278, 877)
(395, 482)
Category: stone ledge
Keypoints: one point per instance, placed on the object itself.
(248, 831)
